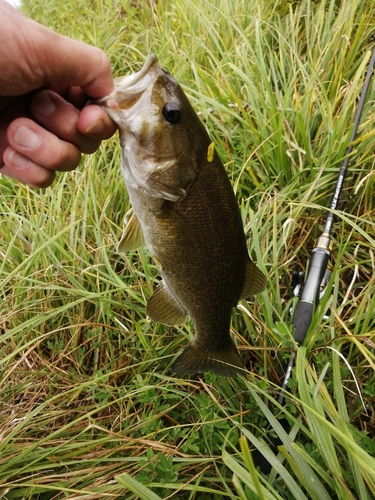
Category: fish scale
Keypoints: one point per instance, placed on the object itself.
(185, 211)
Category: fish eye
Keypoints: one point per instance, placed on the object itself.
(172, 113)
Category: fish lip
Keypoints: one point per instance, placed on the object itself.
(124, 85)
(128, 81)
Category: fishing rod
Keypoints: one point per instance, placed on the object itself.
(318, 273)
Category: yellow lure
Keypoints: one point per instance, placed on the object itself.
(211, 152)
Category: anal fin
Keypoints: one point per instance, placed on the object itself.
(255, 281)
(163, 307)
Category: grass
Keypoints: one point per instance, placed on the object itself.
(88, 407)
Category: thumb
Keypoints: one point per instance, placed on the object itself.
(33, 56)
(74, 63)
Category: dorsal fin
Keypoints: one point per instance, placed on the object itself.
(255, 281)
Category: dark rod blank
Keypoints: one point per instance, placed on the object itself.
(309, 297)
(318, 273)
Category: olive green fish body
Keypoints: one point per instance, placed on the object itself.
(202, 264)
(185, 211)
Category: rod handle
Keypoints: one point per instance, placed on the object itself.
(309, 298)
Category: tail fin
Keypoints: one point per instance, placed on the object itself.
(197, 358)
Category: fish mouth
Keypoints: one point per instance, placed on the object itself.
(129, 81)
(131, 87)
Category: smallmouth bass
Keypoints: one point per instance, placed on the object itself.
(185, 211)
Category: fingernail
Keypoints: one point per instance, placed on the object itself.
(26, 138)
(95, 127)
(18, 160)
(43, 105)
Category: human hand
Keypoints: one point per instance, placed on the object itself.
(46, 81)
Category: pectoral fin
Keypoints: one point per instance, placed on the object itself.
(132, 237)
(163, 307)
(255, 281)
